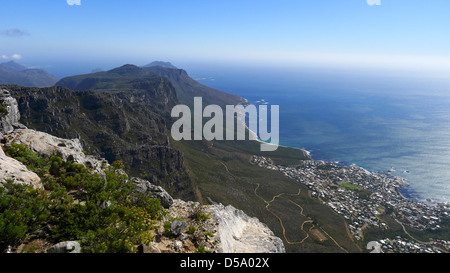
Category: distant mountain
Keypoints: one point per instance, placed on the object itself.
(129, 76)
(162, 64)
(14, 73)
(12, 65)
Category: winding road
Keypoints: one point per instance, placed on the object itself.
(268, 203)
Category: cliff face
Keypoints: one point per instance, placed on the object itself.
(10, 120)
(240, 233)
(128, 125)
(185, 87)
(11, 169)
(225, 229)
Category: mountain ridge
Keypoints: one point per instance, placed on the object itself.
(108, 118)
(161, 63)
(14, 73)
(212, 228)
(185, 86)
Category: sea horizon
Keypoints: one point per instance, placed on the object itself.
(398, 128)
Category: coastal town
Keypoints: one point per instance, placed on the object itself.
(362, 197)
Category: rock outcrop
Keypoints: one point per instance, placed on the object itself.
(229, 231)
(225, 229)
(11, 169)
(47, 145)
(65, 247)
(129, 124)
(9, 121)
(154, 191)
(240, 233)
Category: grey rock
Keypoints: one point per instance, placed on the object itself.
(65, 247)
(106, 204)
(144, 186)
(240, 233)
(11, 169)
(10, 121)
(177, 227)
(178, 246)
(47, 145)
(148, 249)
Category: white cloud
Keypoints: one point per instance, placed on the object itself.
(16, 57)
(74, 2)
(12, 57)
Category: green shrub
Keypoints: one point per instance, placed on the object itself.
(167, 225)
(23, 211)
(199, 215)
(200, 249)
(151, 205)
(29, 158)
(104, 213)
(124, 228)
(191, 230)
(3, 109)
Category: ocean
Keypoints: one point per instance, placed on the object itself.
(383, 123)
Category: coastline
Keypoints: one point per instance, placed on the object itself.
(305, 152)
(404, 186)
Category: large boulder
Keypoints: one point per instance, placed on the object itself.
(11, 169)
(144, 186)
(65, 247)
(240, 233)
(47, 145)
(177, 227)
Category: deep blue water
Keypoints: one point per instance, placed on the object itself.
(379, 122)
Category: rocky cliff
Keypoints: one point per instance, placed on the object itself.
(11, 169)
(217, 228)
(240, 233)
(10, 119)
(127, 125)
(185, 87)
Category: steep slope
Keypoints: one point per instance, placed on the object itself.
(187, 88)
(130, 126)
(98, 187)
(216, 171)
(122, 77)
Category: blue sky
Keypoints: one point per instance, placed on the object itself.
(403, 34)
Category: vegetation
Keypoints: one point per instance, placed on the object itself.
(199, 215)
(201, 249)
(13, 73)
(223, 173)
(3, 109)
(23, 210)
(103, 213)
(350, 186)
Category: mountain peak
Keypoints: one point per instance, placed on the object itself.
(160, 63)
(126, 69)
(13, 66)
(14, 73)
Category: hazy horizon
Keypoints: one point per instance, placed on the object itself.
(405, 36)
